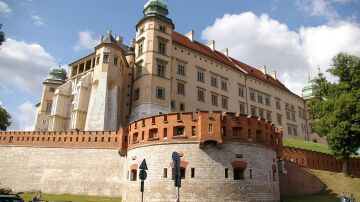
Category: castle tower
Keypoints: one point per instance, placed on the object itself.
(308, 90)
(56, 79)
(110, 86)
(152, 84)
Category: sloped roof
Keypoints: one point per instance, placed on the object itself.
(109, 39)
(231, 62)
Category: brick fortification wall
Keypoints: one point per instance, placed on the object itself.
(101, 162)
(319, 161)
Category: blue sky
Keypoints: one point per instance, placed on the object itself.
(291, 37)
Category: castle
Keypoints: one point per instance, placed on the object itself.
(162, 72)
(165, 92)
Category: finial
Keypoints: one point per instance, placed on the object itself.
(109, 32)
(308, 77)
(318, 68)
(59, 64)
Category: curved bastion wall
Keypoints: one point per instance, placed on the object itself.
(208, 173)
(225, 156)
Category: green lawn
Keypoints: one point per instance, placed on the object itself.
(306, 145)
(73, 198)
(336, 183)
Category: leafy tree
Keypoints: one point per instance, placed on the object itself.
(335, 110)
(4, 119)
(2, 36)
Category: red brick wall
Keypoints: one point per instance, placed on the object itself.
(319, 161)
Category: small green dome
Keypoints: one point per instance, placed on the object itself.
(57, 75)
(156, 2)
(309, 89)
(156, 7)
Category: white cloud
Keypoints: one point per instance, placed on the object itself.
(38, 21)
(86, 41)
(259, 40)
(24, 120)
(24, 65)
(4, 8)
(322, 8)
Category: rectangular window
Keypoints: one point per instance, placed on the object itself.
(192, 172)
(97, 59)
(48, 107)
(252, 95)
(260, 98)
(268, 115)
(181, 88)
(52, 89)
(179, 130)
(136, 94)
(250, 173)
(241, 91)
(288, 115)
(161, 70)
(224, 85)
(279, 119)
(224, 103)
(242, 108)
(140, 50)
(295, 130)
(200, 76)
(214, 81)
(165, 173)
(289, 130)
(278, 105)
(210, 128)
(182, 106)
(173, 104)
(287, 105)
(181, 69)
(106, 58)
(162, 28)
(253, 111)
(193, 130)
(160, 93)
(293, 116)
(162, 48)
(201, 95)
(214, 100)
(115, 61)
(267, 101)
(238, 174)
(261, 113)
(226, 173)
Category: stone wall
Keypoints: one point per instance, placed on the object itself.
(296, 180)
(62, 170)
(209, 182)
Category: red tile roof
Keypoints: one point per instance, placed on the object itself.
(231, 62)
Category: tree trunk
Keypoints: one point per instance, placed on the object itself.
(345, 167)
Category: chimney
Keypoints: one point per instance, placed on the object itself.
(190, 35)
(273, 74)
(211, 45)
(101, 38)
(119, 39)
(132, 43)
(225, 52)
(262, 69)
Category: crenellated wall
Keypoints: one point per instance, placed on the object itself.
(71, 139)
(319, 161)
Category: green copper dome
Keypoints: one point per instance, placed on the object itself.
(309, 89)
(57, 75)
(156, 7)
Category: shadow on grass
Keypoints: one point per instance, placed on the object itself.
(323, 196)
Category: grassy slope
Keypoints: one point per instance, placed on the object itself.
(67, 197)
(306, 145)
(336, 184)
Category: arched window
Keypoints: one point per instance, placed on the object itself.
(133, 172)
(239, 169)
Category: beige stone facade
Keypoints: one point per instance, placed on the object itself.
(161, 72)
